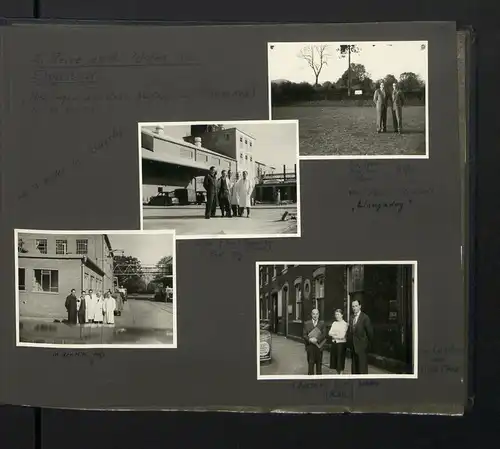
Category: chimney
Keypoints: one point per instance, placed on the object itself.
(159, 130)
(197, 141)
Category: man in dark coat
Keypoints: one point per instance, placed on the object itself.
(71, 307)
(398, 101)
(382, 100)
(81, 309)
(224, 194)
(360, 335)
(210, 185)
(314, 338)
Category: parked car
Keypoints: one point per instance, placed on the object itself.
(266, 343)
(164, 294)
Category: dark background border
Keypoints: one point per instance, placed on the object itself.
(23, 427)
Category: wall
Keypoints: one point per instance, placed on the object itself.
(291, 322)
(46, 304)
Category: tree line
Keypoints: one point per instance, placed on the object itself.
(355, 83)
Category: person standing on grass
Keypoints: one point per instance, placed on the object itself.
(382, 99)
(398, 101)
(71, 305)
(245, 189)
(235, 197)
(209, 184)
(338, 333)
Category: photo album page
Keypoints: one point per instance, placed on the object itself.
(253, 218)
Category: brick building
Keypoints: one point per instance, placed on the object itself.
(288, 293)
(50, 265)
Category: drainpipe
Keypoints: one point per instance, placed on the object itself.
(82, 275)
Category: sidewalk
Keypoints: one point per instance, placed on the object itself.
(289, 358)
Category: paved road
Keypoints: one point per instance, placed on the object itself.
(289, 358)
(189, 220)
(143, 321)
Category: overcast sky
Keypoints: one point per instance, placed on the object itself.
(148, 248)
(275, 143)
(379, 58)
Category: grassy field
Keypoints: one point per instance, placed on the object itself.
(338, 130)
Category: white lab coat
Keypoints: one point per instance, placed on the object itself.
(89, 309)
(245, 189)
(98, 309)
(109, 310)
(235, 195)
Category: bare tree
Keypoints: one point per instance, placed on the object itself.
(316, 57)
(346, 50)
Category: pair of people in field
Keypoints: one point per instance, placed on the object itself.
(355, 335)
(234, 196)
(385, 99)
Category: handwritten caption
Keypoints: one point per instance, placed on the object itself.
(235, 250)
(90, 356)
(335, 390)
(367, 198)
(98, 147)
(56, 71)
(447, 359)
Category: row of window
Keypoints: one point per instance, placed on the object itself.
(247, 142)
(47, 281)
(246, 157)
(82, 246)
(265, 273)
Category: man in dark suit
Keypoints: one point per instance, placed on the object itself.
(314, 344)
(224, 194)
(210, 185)
(398, 101)
(360, 337)
(71, 307)
(382, 99)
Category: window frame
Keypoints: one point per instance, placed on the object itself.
(79, 251)
(42, 274)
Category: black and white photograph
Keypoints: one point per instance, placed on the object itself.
(221, 180)
(353, 100)
(336, 319)
(93, 289)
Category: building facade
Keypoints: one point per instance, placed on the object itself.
(288, 293)
(232, 143)
(50, 265)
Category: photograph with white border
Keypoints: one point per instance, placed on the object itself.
(326, 320)
(95, 289)
(209, 180)
(353, 100)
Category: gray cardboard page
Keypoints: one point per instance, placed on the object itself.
(70, 162)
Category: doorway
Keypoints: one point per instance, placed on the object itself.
(274, 314)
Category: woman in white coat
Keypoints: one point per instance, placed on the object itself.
(245, 189)
(235, 196)
(89, 307)
(109, 309)
(98, 309)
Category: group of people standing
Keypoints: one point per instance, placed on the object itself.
(234, 196)
(355, 335)
(385, 99)
(92, 307)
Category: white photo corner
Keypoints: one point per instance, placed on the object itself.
(95, 289)
(353, 100)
